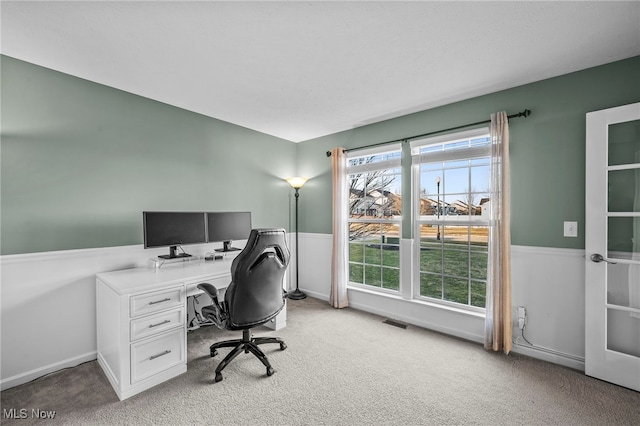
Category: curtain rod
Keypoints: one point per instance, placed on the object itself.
(524, 113)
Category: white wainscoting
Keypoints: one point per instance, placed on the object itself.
(48, 306)
(548, 282)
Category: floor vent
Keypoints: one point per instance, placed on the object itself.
(395, 323)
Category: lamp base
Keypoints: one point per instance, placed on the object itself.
(296, 295)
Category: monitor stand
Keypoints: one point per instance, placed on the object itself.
(172, 254)
(226, 246)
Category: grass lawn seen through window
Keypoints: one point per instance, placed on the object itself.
(450, 269)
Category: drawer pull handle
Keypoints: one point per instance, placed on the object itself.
(160, 323)
(151, 358)
(166, 299)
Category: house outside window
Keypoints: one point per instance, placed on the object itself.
(375, 205)
(451, 187)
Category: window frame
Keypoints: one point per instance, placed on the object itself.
(456, 154)
(384, 164)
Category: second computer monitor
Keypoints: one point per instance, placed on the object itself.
(227, 227)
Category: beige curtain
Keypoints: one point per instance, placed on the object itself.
(339, 260)
(498, 304)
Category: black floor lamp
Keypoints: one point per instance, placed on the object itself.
(296, 183)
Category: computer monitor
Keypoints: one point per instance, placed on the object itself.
(228, 226)
(172, 229)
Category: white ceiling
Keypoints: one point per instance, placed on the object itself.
(300, 70)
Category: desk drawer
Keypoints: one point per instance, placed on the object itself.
(157, 301)
(153, 356)
(156, 323)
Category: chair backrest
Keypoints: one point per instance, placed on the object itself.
(255, 294)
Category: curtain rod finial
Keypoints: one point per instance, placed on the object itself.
(328, 153)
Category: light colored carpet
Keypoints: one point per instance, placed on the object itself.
(341, 367)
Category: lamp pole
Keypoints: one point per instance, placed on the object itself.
(438, 184)
(296, 183)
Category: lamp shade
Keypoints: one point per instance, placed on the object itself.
(297, 181)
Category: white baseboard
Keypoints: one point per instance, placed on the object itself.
(60, 287)
(552, 294)
(544, 354)
(550, 355)
(316, 295)
(418, 321)
(29, 376)
(548, 282)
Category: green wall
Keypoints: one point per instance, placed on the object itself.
(547, 148)
(81, 161)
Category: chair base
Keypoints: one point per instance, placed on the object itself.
(247, 344)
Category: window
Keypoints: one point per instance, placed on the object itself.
(451, 187)
(450, 198)
(374, 180)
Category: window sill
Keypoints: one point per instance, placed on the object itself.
(425, 303)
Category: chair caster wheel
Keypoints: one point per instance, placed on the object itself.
(213, 353)
(270, 371)
(283, 346)
(218, 377)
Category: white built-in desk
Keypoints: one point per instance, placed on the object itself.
(141, 320)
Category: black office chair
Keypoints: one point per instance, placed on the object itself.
(254, 297)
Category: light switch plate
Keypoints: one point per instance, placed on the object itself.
(570, 229)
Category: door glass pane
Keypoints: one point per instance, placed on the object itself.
(623, 237)
(623, 285)
(623, 332)
(624, 190)
(624, 143)
(623, 327)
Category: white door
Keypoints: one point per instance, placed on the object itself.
(612, 246)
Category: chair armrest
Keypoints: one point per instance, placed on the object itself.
(210, 290)
(217, 311)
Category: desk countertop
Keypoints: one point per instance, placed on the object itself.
(136, 280)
